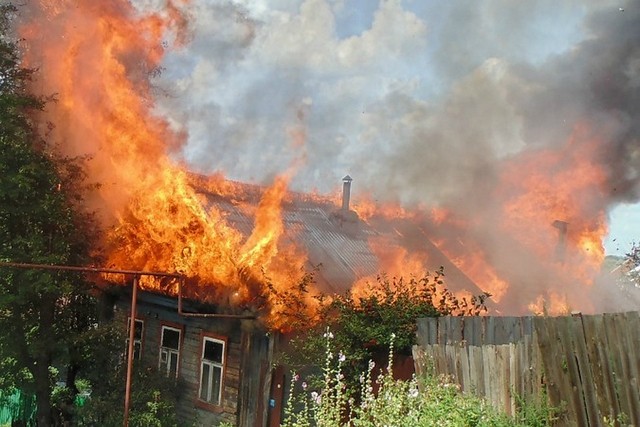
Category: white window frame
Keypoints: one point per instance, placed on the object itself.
(167, 352)
(212, 397)
(136, 341)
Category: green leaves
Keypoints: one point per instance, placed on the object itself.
(364, 326)
(44, 315)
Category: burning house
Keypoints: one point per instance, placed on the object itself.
(219, 347)
(484, 196)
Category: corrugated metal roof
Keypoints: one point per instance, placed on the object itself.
(336, 242)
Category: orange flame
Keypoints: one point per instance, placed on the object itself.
(100, 67)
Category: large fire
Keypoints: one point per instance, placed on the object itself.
(159, 216)
(100, 69)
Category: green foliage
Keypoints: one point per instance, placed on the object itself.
(536, 412)
(363, 325)
(420, 402)
(153, 400)
(45, 316)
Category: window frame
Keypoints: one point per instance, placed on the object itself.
(166, 369)
(200, 402)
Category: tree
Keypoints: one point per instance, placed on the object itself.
(363, 327)
(42, 313)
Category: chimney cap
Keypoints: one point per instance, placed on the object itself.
(347, 178)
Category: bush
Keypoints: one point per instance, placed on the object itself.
(153, 402)
(362, 325)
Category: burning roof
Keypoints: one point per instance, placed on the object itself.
(340, 246)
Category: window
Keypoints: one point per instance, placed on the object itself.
(169, 351)
(211, 370)
(137, 338)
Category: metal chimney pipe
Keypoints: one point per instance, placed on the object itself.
(346, 192)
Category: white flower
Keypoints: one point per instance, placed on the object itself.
(341, 357)
(413, 392)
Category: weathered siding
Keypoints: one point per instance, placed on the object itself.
(247, 358)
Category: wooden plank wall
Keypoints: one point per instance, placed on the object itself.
(588, 364)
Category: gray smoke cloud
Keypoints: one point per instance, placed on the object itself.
(421, 102)
(417, 103)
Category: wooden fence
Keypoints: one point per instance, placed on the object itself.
(587, 364)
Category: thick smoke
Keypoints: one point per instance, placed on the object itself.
(425, 103)
(418, 105)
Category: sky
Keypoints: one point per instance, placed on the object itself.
(624, 229)
(417, 100)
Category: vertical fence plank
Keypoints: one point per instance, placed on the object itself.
(476, 368)
(465, 379)
(473, 330)
(549, 359)
(504, 372)
(600, 354)
(617, 353)
(585, 370)
(488, 361)
(630, 332)
(452, 364)
(515, 376)
(574, 386)
(489, 330)
(419, 354)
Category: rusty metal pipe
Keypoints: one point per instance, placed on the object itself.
(131, 346)
(89, 269)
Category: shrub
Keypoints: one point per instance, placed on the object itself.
(153, 401)
(362, 325)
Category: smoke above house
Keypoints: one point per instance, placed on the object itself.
(498, 120)
(418, 103)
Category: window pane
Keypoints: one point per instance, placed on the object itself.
(137, 350)
(138, 331)
(173, 364)
(170, 338)
(204, 382)
(213, 351)
(216, 383)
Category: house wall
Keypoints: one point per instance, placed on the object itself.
(247, 361)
